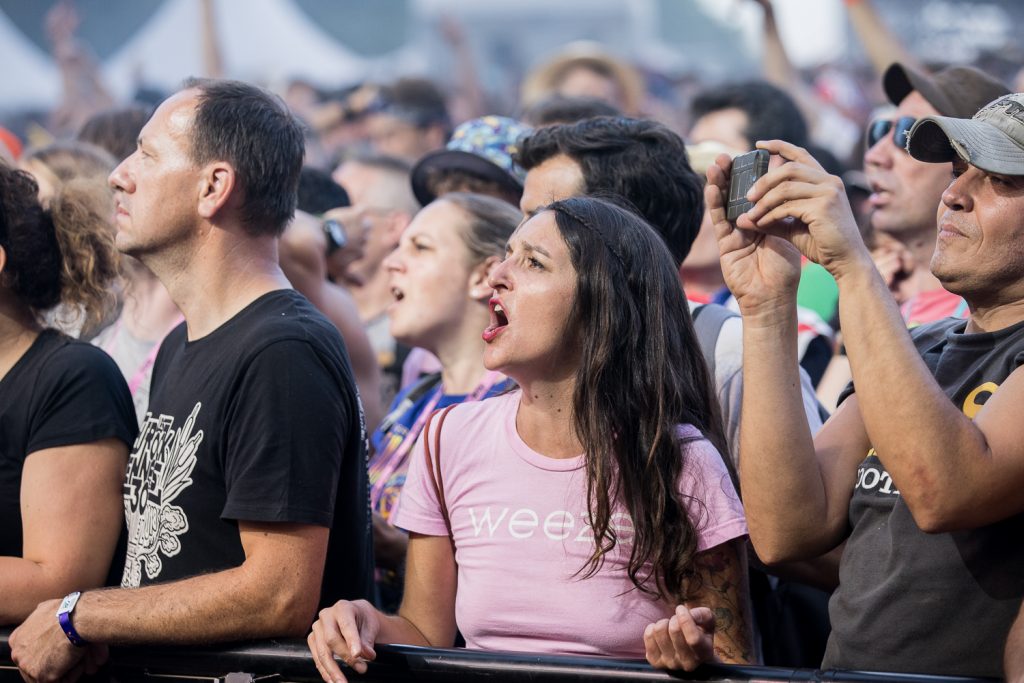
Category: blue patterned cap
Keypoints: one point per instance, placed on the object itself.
(483, 146)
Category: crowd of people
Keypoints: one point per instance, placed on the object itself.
(350, 372)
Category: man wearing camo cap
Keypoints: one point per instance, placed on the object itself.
(992, 141)
(920, 469)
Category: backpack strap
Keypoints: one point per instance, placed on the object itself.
(708, 320)
(433, 458)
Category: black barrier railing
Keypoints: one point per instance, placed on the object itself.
(290, 661)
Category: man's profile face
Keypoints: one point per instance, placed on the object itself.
(157, 187)
(559, 177)
(904, 191)
(980, 240)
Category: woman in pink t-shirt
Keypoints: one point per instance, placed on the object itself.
(590, 511)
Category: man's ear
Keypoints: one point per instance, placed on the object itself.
(3, 265)
(479, 276)
(216, 186)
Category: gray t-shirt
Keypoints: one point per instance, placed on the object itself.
(930, 603)
(728, 379)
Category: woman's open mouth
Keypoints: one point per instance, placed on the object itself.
(499, 320)
(398, 295)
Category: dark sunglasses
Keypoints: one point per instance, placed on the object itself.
(900, 127)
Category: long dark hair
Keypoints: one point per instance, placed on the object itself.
(641, 374)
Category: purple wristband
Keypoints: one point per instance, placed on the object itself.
(67, 606)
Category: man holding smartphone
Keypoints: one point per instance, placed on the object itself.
(920, 469)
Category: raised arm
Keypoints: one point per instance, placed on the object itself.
(795, 494)
(942, 460)
(882, 47)
(84, 92)
(62, 549)
(213, 59)
(729, 385)
(466, 74)
(779, 70)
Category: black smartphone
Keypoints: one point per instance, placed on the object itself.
(746, 169)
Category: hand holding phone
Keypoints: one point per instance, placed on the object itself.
(746, 169)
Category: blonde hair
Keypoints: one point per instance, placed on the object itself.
(90, 262)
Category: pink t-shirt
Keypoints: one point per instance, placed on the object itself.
(932, 305)
(521, 536)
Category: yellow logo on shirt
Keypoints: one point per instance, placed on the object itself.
(971, 405)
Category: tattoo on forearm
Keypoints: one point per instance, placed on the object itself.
(723, 587)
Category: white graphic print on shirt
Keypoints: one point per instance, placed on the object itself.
(159, 469)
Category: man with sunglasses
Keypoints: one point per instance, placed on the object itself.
(905, 192)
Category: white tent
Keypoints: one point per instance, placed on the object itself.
(266, 40)
(28, 76)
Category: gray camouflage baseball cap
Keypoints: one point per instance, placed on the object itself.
(992, 140)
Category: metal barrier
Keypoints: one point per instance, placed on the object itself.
(289, 660)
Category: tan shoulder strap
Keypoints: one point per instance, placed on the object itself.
(433, 458)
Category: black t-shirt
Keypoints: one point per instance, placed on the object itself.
(62, 392)
(257, 421)
(930, 603)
